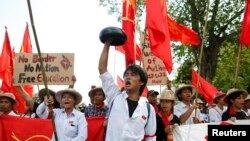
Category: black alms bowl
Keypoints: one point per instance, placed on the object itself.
(115, 34)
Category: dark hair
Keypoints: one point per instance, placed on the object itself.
(233, 96)
(136, 69)
(188, 88)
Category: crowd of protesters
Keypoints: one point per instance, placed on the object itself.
(127, 115)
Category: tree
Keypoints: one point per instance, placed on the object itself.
(224, 24)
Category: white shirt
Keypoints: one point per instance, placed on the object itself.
(181, 108)
(120, 126)
(12, 113)
(71, 128)
(215, 114)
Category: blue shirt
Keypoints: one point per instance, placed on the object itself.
(92, 111)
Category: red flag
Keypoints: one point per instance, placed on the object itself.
(128, 25)
(95, 128)
(245, 33)
(6, 73)
(206, 89)
(24, 129)
(145, 92)
(182, 33)
(6, 64)
(158, 31)
(119, 82)
(27, 48)
(138, 51)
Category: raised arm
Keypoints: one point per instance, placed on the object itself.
(27, 98)
(74, 81)
(103, 61)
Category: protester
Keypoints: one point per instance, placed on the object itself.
(98, 108)
(215, 113)
(152, 99)
(202, 108)
(130, 118)
(31, 104)
(70, 123)
(235, 100)
(187, 113)
(7, 104)
(246, 107)
(166, 120)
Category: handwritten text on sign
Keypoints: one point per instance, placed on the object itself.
(156, 70)
(59, 68)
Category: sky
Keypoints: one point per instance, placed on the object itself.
(64, 26)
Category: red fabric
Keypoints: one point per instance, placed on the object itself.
(100, 106)
(28, 129)
(120, 82)
(158, 31)
(155, 107)
(164, 118)
(27, 48)
(145, 92)
(95, 128)
(26, 45)
(206, 89)
(6, 64)
(128, 25)
(245, 32)
(182, 33)
(232, 110)
(24, 129)
(138, 51)
(6, 73)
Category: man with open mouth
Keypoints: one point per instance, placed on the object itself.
(130, 118)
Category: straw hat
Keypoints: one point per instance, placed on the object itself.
(233, 91)
(184, 86)
(167, 95)
(10, 96)
(199, 101)
(218, 95)
(94, 89)
(71, 91)
(247, 98)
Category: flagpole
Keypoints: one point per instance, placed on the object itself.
(201, 53)
(42, 66)
(237, 66)
(143, 45)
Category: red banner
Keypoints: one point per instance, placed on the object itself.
(14, 128)
(24, 129)
(95, 128)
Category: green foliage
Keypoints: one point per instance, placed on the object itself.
(225, 75)
(221, 40)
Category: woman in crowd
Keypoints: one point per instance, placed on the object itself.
(235, 100)
(215, 113)
(71, 124)
(165, 118)
(98, 108)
